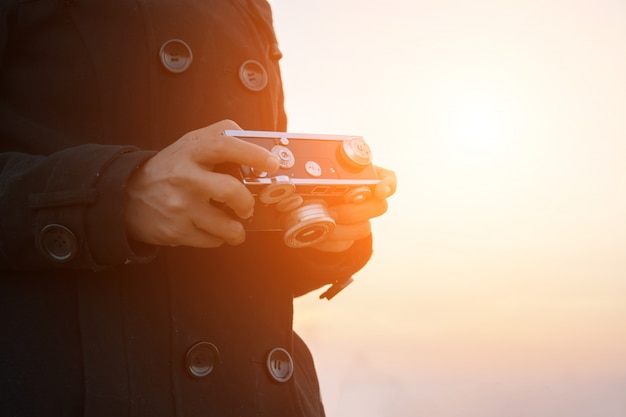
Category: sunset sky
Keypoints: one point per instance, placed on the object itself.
(498, 283)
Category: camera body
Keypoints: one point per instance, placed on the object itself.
(316, 172)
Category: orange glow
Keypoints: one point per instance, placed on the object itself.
(498, 284)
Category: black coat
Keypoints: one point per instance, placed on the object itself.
(91, 324)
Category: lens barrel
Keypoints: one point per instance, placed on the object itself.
(308, 224)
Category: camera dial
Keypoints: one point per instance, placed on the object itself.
(286, 158)
(356, 152)
(280, 188)
(358, 195)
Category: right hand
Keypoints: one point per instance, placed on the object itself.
(169, 196)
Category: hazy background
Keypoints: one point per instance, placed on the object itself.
(498, 284)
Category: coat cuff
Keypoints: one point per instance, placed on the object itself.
(105, 222)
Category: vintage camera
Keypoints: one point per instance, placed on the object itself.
(316, 171)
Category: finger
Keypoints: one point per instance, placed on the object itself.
(350, 232)
(387, 185)
(184, 233)
(216, 223)
(228, 190)
(201, 239)
(356, 213)
(211, 148)
(223, 125)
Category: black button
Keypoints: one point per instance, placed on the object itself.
(253, 75)
(201, 359)
(176, 55)
(275, 51)
(58, 242)
(280, 365)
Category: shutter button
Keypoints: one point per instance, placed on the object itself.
(280, 365)
(253, 75)
(201, 359)
(58, 242)
(175, 55)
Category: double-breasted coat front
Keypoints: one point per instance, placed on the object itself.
(91, 323)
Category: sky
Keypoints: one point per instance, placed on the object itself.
(498, 281)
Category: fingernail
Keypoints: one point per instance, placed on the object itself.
(239, 240)
(249, 214)
(387, 190)
(272, 163)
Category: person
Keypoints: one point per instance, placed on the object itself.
(124, 291)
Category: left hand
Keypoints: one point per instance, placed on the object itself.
(353, 220)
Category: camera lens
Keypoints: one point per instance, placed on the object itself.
(308, 224)
(311, 234)
(289, 203)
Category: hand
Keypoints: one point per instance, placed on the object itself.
(169, 196)
(353, 220)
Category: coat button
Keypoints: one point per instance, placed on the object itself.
(275, 51)
(280, 365)
(253, 75)
(176, 55)
(58, 242)
(201, 359)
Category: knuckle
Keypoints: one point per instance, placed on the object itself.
(224, 194)
(231, 190)
(174, 204)
(228, 123)
(217, 145)
(192, 136)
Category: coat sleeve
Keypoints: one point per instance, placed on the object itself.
(66, 209)
(323, 268)
(302, 269)
(61, 202)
